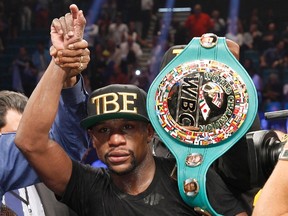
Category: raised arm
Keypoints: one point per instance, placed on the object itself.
(50, 161)
(66, 130)
(15, 172)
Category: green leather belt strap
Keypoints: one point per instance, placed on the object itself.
(200, 105)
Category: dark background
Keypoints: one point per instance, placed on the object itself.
(278, 6)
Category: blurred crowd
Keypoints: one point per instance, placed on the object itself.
(121, 33)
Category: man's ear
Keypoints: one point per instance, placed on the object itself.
(150, 132)
(91, 137)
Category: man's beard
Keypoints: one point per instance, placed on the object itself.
(125, 172)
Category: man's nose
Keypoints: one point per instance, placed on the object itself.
(117, 139)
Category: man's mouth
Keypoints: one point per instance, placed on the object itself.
(118, 156)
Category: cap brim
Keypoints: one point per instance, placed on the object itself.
(92, 120)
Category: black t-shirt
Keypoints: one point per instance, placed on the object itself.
(92, 192)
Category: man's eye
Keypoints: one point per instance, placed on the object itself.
(102, 130)
(126, 127)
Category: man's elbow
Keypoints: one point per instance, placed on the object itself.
(20, 141)
(25, 142)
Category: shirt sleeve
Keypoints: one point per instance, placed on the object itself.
(66, 129)
(15, 171)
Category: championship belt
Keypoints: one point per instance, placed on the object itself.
(201, 104)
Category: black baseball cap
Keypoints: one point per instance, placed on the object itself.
(114, 102)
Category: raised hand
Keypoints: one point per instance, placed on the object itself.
(75, 59)
(68, 29)
(68, 47)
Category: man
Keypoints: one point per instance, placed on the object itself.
(135, 183)
(14, 169)
(198, 22)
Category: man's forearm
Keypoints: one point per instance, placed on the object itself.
(66, 129)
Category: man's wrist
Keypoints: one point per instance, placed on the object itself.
(75, 94)
(70, 81)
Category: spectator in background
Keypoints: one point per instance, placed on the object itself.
(2, 8)
(237, 36)
(132, 12)
(3, 32)
(285, 95)
(281, 65)
(96, 68)
(135, 34)
(254, 18)
(252, 37)
(3, 26)
(110, 7)
(12, 7)
(273, 93)
(90, 33)
(219, 23)
(41, 58)
(198, 22)
(272, 55)
(24, 73)
(119, 74)
(155, 59)
(284, 34)
(26, 14)
(254, 74)
(270, 36)
(269, 17)
(117, 29)
(42, 14)
(112, 52)
(255, 27)
(146, 14)
(104, 59)
(140, 78)
(130, 51)
(103, 29)
(180, 33)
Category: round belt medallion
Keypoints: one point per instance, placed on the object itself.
(201, 102)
